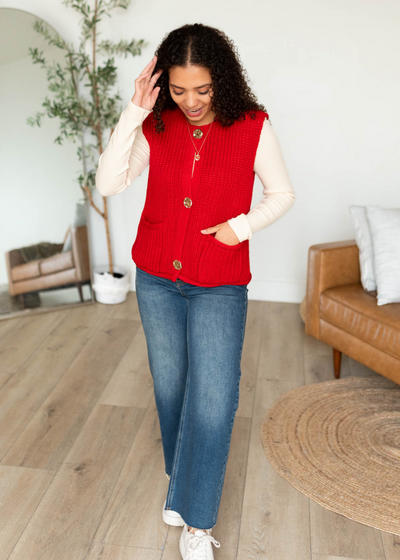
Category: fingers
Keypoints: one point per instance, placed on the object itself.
(154, 93)
(149, 84)
(155, 77)
(146, 82)
(153, 61)
(213, 228)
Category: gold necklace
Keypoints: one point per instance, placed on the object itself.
(197, 152)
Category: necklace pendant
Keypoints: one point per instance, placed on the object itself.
(197, 133)
(197, 157)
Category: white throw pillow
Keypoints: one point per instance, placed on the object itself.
(365, 248)
(385, 232)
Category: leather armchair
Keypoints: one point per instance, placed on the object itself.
(340, 313)
(63, 269)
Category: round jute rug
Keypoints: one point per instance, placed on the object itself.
(338, 442)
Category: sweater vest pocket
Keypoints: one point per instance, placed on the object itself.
(220, 263)
(148, 245)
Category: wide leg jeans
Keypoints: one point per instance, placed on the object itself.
(194, 339)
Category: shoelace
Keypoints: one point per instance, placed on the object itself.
(197, 545)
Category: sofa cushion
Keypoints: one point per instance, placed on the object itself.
(351, 309)
(60, 261)
(25, 271)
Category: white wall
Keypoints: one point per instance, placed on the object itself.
(327, 73)
(38, 194)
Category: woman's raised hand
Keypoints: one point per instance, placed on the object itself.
(145, 93)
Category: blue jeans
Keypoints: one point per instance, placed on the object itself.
(194, 339)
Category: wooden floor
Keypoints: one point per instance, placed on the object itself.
(82, 469)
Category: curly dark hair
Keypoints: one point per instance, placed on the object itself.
(201, 45)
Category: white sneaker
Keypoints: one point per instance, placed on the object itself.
(197, 545)
(172, 517)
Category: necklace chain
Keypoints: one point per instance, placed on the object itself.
(197, 151)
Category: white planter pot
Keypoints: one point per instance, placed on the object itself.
(109, 289)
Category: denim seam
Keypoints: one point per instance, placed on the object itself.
(183, 413)
(233, 418)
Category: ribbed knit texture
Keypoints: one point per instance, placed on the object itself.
(221, 188)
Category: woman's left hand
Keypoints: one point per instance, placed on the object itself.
(224, 233)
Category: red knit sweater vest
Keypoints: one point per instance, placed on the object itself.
(169, 242)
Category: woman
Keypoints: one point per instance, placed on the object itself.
(195, 121)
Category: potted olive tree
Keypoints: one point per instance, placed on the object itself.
(97, 113)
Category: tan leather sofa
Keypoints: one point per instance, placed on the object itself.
(64, 269)
(340, 313)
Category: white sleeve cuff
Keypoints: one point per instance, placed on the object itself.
(138, 113)
(241, 227)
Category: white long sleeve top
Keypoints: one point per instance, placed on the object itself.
(128, 154)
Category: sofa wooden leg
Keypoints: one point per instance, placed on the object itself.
(78, 285)
(337, 358)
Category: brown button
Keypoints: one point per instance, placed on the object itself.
(187, 202)
(177, 265)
